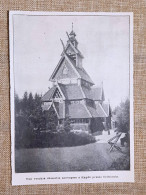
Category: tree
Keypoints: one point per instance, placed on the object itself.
(30, 103)
(37, 117)
(17, 104)
(51, 119)
(123, 116)
(25, 103)
(30, 117)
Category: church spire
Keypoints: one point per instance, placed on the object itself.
(72, 33)
(72, 36)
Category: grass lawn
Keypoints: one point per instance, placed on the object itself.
(91, 157)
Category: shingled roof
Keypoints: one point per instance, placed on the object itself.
(92, 111)
(71, 92)
(97, 93)
(93, 93)
(83, 74)
(77, 111)
(65, 98)
(100, 110)
(106, 107)
(80, 110)
(48, 95)
(96, 110)
(81, 71)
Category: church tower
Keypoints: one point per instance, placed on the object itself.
(72, 93)
(70, 69)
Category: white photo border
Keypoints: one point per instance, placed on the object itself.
(69, 177)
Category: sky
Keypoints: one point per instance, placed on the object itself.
(103, 41)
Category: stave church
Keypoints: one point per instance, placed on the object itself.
(73, 93)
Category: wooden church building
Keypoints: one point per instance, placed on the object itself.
(74, 94)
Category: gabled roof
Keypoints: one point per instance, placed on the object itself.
(65, 56)
(81, 71)
(96, 110)
(106, 107)
(77, 111)
(95, 93)
(92, 111)
(71, 91)
(98, 93)
(76, 50)
(88, 92)
(100, 110)
(74, 92)
(84, 75)
(48, 95)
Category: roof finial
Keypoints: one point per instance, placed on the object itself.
(72, 26)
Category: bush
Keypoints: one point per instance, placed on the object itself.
(60, 139)
(67, 126)
(82, 138)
